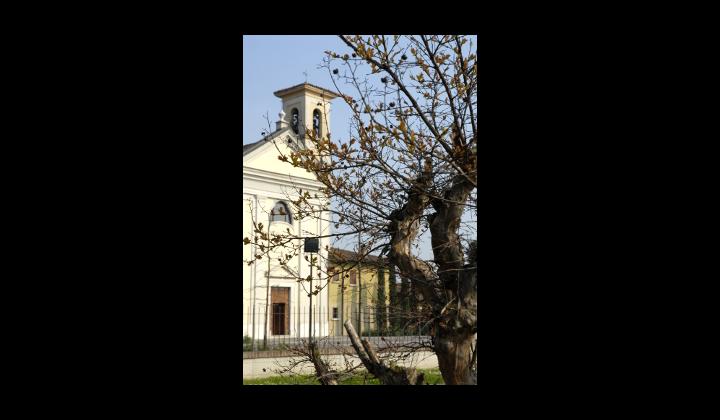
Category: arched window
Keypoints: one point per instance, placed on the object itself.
(295, 120)
(316, 122)
(281, 213)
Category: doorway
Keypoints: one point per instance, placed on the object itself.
(280, 298)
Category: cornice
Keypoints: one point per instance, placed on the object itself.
(280, 179)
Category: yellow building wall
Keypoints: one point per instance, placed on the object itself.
(365, 289)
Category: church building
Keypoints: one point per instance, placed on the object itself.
(274, 303)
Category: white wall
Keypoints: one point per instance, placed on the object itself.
(264, 189)
(266, 180)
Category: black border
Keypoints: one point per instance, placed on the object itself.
(135, 197)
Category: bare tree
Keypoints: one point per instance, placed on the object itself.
(383, 362)
(388, 375)
(308, 352)
(408, 169)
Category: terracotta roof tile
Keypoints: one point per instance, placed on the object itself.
(338, 255)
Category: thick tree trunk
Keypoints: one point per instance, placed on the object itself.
(452, 291)
(456, 358)
(455, 334)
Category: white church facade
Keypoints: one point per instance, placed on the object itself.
(270, 184)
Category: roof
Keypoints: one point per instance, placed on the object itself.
(338, 255)
(306, 86)
(247, 148)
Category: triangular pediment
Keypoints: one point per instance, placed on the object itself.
(277, 270)
(264, 156)
(251, 150)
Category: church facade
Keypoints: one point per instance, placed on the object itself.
(274, 302)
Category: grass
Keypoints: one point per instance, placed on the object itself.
(432, 377)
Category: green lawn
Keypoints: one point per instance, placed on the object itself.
(432, 377)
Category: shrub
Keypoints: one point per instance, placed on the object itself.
(247, 343)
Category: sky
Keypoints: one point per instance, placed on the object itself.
(274, 62)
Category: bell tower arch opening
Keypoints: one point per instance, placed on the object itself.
(311, 105)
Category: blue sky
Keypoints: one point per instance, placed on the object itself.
(274, 62)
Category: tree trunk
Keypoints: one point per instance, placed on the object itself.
(393, 375)
(452, 291)
(323, 373)
(456, 357)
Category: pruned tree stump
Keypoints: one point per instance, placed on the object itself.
(393, 375)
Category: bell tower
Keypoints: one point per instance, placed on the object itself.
(307, 107)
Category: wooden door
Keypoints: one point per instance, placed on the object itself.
(280, 320)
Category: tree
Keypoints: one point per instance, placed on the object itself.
(380, 306)
(388, 375)
(472, 253)
(408, 168)
(404, 311)
(393, 311)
